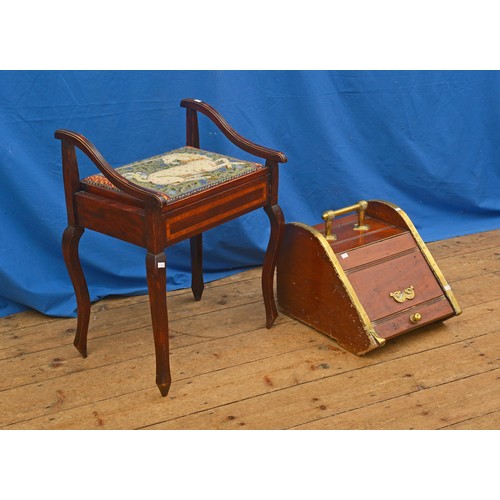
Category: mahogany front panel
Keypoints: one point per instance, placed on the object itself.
(374, 283)
(392, 264)
(205, 214)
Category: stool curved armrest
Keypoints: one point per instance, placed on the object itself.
(82, 143)
(231, 134)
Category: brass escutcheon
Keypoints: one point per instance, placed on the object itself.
(401, 296)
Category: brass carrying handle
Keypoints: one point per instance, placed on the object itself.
(329, 215)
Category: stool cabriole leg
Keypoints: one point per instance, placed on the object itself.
(277, 224)
(70, 241)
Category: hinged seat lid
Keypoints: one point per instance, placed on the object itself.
(179, 173)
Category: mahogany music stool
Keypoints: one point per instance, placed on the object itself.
(159, 201)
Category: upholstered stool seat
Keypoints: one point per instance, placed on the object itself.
(178, 173)
(164, 199)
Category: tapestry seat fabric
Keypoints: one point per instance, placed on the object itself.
(179, 173)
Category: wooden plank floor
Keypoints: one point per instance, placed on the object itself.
(230, 372)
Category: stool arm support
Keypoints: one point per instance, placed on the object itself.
(82, 143)
(231, 134)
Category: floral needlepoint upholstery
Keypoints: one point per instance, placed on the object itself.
(179, 173)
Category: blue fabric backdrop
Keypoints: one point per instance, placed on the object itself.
(426, 140)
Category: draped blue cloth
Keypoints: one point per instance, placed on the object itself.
(426, 140)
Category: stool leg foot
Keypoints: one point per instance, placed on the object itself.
(277, 223)
(197, 285)
(157, 287)
(164, 386)
(70, 241)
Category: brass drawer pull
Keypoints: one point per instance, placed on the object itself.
(415, 317)
(401, 296)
